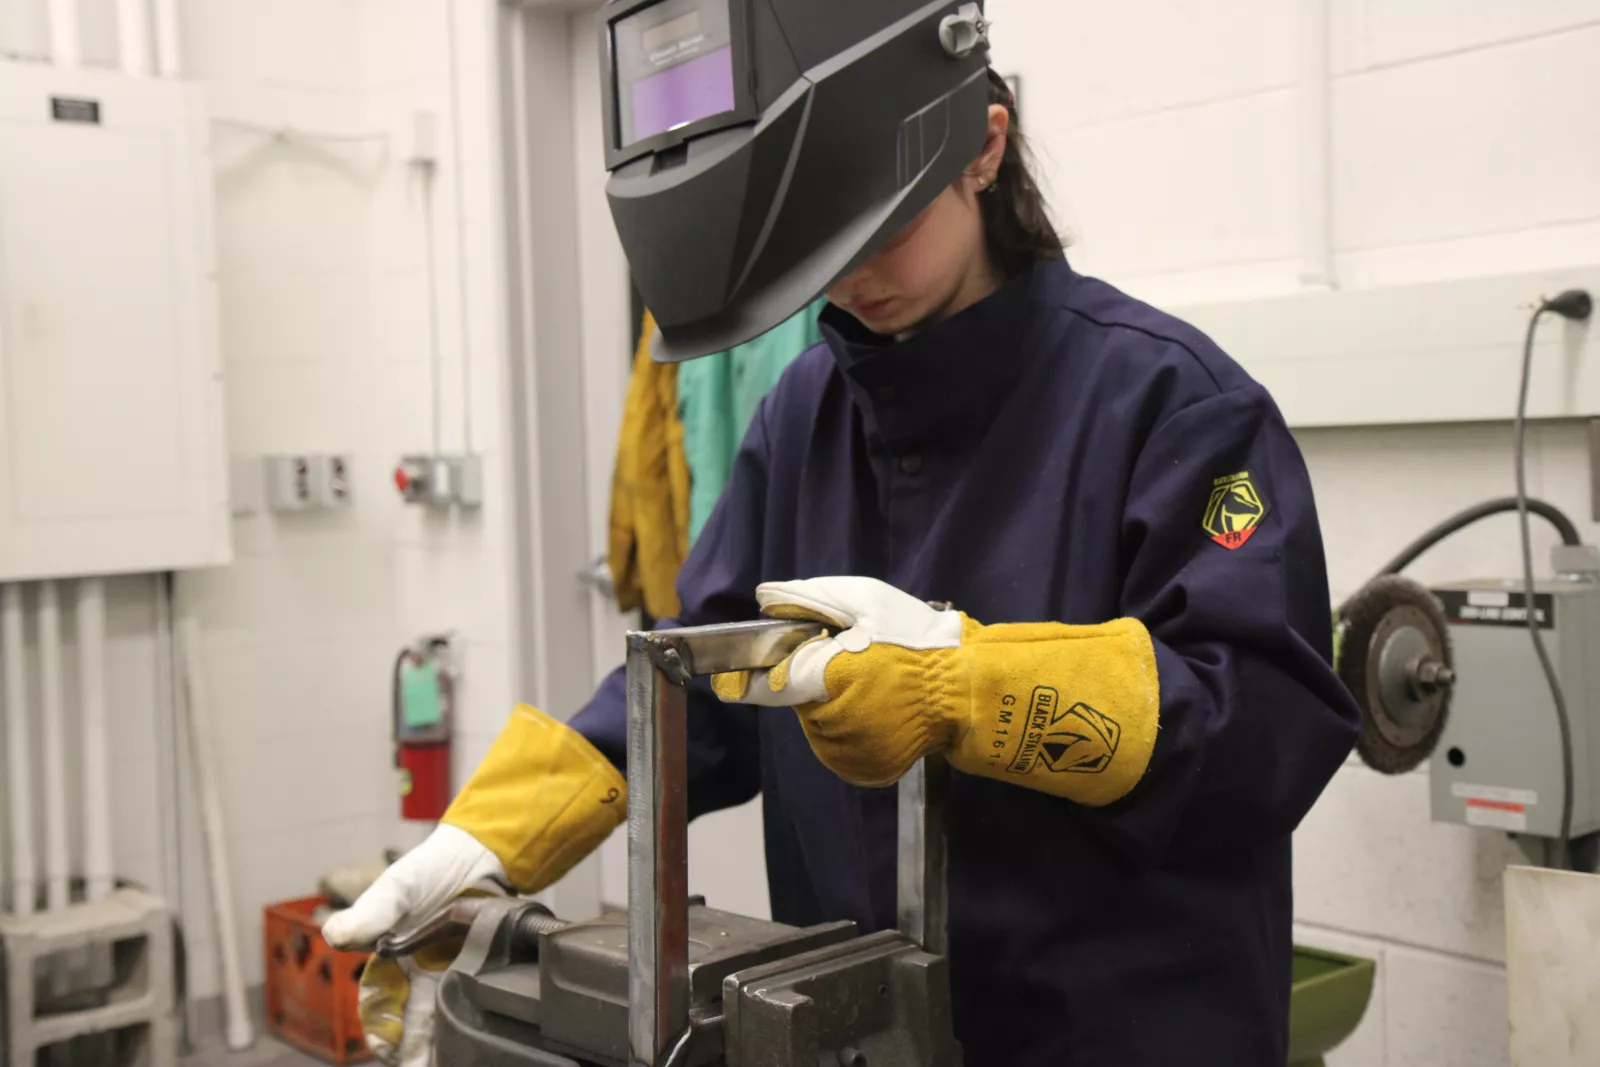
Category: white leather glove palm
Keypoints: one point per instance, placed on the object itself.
(398, 997)
(448, 861)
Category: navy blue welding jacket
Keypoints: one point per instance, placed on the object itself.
(1058, 451)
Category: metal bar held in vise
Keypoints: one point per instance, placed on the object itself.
(660, 664)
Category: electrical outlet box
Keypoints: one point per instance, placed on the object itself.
(413, 477)
(288, 482)
(425, 480)
(441, 481)
(330, 481)
(466, 477)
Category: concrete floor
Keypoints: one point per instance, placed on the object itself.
(264, 1053)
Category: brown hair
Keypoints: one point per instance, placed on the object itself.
(1016, 221)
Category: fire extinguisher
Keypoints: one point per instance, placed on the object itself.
(424, 699)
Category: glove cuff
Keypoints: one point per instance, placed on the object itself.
(1067, 710)
(541, 800)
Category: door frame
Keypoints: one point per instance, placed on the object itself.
(567, 326)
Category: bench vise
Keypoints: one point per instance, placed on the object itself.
(674, 983)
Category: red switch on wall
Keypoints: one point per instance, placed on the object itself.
(411, 478)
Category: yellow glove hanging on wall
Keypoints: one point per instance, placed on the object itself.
(649, 520)
(1067, 710)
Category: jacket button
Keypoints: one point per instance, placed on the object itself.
(911, 464)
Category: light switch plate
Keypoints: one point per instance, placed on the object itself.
(288, 482)
(330, 481)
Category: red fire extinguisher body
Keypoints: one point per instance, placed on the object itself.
(424, 699)
(424, 781)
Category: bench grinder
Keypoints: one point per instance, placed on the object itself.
(675, 983)
(1447, 676)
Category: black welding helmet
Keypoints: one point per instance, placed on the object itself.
(760, 150)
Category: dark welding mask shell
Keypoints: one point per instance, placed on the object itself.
(760, 150)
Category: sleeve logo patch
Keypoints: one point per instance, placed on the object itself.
(1235, 510)
(1076, 739)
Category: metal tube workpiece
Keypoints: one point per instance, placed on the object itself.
(660, 664)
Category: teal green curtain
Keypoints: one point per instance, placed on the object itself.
(718, 396)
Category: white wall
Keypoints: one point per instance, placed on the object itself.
(326, 337)
(1463, 145)
(325, 340)
(726, 864)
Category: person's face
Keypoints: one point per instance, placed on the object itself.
(936, 265)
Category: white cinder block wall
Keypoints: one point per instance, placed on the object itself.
(1463, 145)
(325, 337)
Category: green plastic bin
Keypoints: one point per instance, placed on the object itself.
(1327, 999)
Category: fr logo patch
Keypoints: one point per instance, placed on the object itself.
(1234, 511)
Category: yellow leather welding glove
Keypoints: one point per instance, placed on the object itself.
(1067, 710)
(541, 800)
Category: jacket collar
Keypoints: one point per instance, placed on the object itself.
(952, 376)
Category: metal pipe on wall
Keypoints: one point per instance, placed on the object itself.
(65, 46)
(133, 37)
(99, 874)
(240, 1027)
(19, 776)
(169, 762)
(168, 58)
(57, 859)
(1314, 100)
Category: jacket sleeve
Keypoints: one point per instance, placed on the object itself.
(1223, 563)
(716, 584)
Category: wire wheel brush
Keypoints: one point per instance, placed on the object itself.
(1395, 658)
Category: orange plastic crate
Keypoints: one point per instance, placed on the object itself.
(311, 988)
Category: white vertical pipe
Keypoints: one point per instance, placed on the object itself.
(240, 1028)
(133, 37)
(19, 775)
(168, 58)
(1315, 125)
(463, 295)
(65, 47)
(91, 610)
(168, 762)
(57, 872)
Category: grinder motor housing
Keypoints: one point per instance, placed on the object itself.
(1498, 763)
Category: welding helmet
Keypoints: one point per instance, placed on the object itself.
(760, 150)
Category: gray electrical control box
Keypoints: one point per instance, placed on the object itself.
(1498, 763)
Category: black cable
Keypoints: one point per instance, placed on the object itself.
(1571, 304)
(1500, 505)
(1462, 519)
(394, 704)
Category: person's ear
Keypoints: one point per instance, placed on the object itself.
(981, 175)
